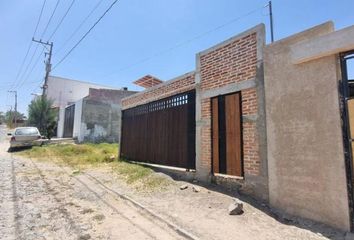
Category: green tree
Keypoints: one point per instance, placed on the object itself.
(9, 118)
(42, 115)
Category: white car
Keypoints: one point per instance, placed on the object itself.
(25, 137)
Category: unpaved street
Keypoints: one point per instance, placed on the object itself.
(40, 201)
(43, 200)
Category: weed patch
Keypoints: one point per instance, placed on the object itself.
(86, 155)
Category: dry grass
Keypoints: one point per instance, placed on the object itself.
(81, 156)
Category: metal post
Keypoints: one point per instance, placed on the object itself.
(271, 20)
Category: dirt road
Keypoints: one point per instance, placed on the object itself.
(42, 200)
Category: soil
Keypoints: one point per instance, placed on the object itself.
(42, 200)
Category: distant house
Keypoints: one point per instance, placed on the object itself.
(68, 96)
(97, 116)
(66, 91)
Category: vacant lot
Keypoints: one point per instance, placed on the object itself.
(85, 192)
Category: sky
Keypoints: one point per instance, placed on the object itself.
(136, 37)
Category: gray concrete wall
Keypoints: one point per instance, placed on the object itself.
(306, 165)
(77, 119)
(100, 121)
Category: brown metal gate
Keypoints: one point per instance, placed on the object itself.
(161, 132)
(226, 134)
(69, 121)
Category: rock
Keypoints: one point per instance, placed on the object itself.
(185, 186)
(196, 189)
(85, 237)
(236, 208)
(195, 180)
(112, 158)
(101, 217)
(76, 171)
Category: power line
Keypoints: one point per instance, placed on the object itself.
(50, 19)
(35, 51)
(62, 19)
(190, 40)
(30, 45)
(30, 72)
(79, 27)
(84, 36)
(53, 33)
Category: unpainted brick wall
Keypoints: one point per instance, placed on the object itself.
(166, 89)
(232, 63)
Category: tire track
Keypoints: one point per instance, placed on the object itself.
(148, 216)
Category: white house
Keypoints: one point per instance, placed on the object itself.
(65, 92)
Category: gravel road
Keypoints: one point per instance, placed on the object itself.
(44, 201)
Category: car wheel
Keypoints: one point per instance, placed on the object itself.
(10, 149)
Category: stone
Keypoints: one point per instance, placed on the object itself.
(236, 208)
(76, 171)
(185, 186)
(196, 189)
(85, 237)
(112, 157)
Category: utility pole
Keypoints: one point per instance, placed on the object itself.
(48, 64)
(271, 20)
(15, 115)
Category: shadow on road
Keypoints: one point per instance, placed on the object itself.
(18, 149)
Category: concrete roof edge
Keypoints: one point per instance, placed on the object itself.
(327, 24)
(80, 81)
(162, 84)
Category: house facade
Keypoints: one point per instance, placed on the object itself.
(65, 92)
(270, 119)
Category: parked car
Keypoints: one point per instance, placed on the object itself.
(25, 137)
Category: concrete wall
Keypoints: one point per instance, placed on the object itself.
(100, 121)
(77, 119)
(100, 118)
(60, 128)
(305, 150)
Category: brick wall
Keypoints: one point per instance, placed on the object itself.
(181, 84)
(109, 95)
(230, 63)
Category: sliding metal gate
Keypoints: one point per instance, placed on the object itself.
(161, 132)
